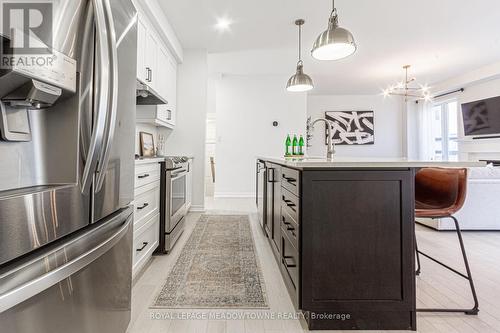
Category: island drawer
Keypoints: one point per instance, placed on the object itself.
(290, 180)
(290, 205)
(290, 268)
(291, 229)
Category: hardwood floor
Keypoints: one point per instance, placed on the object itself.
(436, 287)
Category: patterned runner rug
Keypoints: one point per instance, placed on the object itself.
(217, 268)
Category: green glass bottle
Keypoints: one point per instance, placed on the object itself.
(295, 145)
(288, 144)
(301, 145)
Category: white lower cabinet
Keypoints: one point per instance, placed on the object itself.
(146, 214)
(146, 240)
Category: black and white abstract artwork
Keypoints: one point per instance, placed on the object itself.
(352, 127)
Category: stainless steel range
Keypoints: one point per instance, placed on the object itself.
(173, 198)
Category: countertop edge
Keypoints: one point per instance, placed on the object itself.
(369, 164)
(149, 160)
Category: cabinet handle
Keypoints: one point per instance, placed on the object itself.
(144, 244)
(290, 180)
(284, 221)
(169, 117)
(143, 206)
(270, 171)
(285, 261)
(150, 75)
(143, 176)
(289, 203)
(148, 70)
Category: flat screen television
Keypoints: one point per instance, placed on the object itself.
(482, 118)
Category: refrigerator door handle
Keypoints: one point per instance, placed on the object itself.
(29, 286)
(102, 95)
(113, 100)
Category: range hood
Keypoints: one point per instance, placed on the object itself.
(147, 96)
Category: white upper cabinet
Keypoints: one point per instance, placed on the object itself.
(147, 53)
(152, 59)
(157, 68)
(162, 69)
(167, 85)
(142, 72)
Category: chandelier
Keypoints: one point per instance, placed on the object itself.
(409, 89)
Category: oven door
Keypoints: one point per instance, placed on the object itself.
(176, 197)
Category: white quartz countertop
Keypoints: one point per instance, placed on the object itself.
(147, 160)
(366, 162)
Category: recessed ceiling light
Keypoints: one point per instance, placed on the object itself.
(223, 24)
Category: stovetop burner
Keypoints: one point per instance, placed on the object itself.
(174, 162)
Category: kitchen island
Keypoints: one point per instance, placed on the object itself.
(343, 234)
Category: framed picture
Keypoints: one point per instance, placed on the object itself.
(352, 127)
(147, 144)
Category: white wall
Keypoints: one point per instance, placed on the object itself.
(144, 128)
(479, 84)
(188, 137)
(388, 121)
(246, 108)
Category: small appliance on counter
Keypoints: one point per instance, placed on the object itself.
(173, 200)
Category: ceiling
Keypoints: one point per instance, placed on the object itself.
(440, 39)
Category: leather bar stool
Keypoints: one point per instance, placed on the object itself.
(440, 193)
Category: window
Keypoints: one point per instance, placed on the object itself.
(445, 131)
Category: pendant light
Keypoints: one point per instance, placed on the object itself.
(299, 81)
(335, 42)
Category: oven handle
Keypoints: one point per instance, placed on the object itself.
(178, 175)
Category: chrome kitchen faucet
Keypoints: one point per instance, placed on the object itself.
(330, 151)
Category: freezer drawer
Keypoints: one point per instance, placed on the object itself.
(80, 286)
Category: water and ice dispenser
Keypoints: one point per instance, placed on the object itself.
(31, 82)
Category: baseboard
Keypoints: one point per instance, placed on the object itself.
(197, 208)
(234, 195)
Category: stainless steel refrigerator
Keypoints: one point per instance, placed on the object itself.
(66, 174)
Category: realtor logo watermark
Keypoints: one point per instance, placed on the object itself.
(27, 29)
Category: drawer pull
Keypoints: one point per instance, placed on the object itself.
(144, 244)
(143, 176)
(289, 179)
(289, 203)
(143, 206)
(285, 262)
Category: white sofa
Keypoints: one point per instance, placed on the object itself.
(481, 210)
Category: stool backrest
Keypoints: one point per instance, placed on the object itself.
(441, 188)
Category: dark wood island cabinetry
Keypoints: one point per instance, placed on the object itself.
(343, 234)
(357, 241)
(343, 239)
